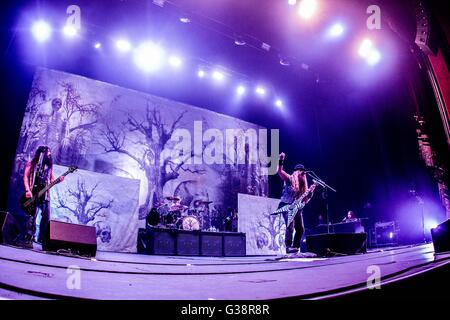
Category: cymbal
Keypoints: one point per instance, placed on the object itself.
(173, 198)
(178, 208)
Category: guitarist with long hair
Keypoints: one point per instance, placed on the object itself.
(294, 186)
(38, 174)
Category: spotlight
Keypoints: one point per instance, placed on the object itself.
(41, 31)
(69, 31)
(260, 91)
(307, 8)
(175, 61)
(239, 41)
(148, 57)
(284, 61)
(336, 30)
(217, 75)
(374, 57)
(240, 90)
(278, 103)
(185, 19)
(365, 48)
(368, 51)
(292, 2)
(201, 73)
(123, 45)
(97, 45)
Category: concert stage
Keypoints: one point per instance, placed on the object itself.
(33, 274)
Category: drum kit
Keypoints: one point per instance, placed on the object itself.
(175, 215)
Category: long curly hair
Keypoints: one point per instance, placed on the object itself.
(48, 160)
(299, 183)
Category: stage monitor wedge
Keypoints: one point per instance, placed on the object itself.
(335, 244)
(441, 237)
(74, 238)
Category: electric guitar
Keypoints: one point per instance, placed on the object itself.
(29, 204)
(296, 206)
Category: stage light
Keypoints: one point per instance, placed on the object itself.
(69, 31)
(368, 51)
(239, 41)
(201, 73)
(374, 57)
(307, 8)
(278, 103)
(430, 224)
(148, 57)
(175, 61)
(284, 61)
(391, 235)
(41, 31)
(97, 45)
(292, 2)
(123, 45)
(260, 91)
(240, 90)
(336, 30)
(365, 48)
(217, 75)
(185, 19)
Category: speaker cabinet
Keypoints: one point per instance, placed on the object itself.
(10, 227)
(211, 244)
(441, 237)
(234, 244)
(188, 243)
(337, 243)
(79, 239)
(157, 241)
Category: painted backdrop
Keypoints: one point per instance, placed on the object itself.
(116, 137)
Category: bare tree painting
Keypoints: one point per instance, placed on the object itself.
(154, 138)
(83, 203)
(73, 128)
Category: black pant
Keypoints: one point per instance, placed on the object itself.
(44, 208)
(296, 224)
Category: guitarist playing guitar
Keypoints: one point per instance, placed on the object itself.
(295, 187)
(37, 176)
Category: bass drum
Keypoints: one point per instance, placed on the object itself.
(189, 223)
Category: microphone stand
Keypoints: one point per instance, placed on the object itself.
(325, 187)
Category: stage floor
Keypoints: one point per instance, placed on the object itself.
(34, 274)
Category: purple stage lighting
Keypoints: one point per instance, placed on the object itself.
(430, 224)
(123, 45)
(368, 51)
(201, 73)
(260, 91)
(292, 2)
(307, 8)
(240, 90)
(217, 75)
(69, 31)
(148, 57)
(336, 30)
(41, 31)
(175, 61)
(97, 45)
(278, 103)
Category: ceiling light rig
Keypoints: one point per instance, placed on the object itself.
(307, 7)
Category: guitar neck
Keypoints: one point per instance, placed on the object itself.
(303, 196)
(51, 185)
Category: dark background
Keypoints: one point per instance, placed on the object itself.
(352, 124)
